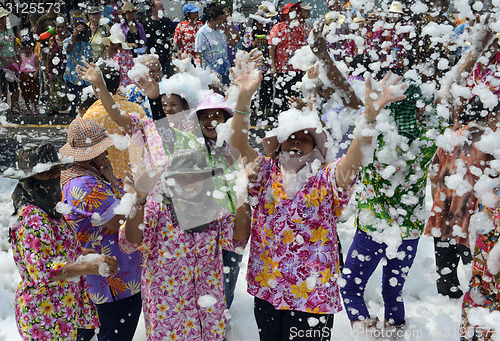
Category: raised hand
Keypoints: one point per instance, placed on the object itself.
(89, 72)
(317, 40)
(313, 72)
(148, 86)
(142, 182)
(481, 33)
(256, 55)
(378, 95)
(247, 78)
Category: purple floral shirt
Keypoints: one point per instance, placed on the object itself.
(87, 196)
(294, 256)
(182, 276)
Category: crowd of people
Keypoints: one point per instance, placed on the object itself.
(159, 188)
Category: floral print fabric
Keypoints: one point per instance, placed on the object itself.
(119, 157)
(182, 272)
(81, 51)
(483, 284)
(451, 212)
(92, 203)
(287, 40)
(185, 35)
(47, 309)
(125, 60)
(7, 41)
(294, 256)
(392, 188)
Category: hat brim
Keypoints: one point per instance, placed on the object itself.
(89, 153)
(20, 174)
(260, 19)
(208, 172)
(271, 143)
(107, 41)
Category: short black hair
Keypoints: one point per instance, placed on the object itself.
(86, 100)
(111, 76)
(214, 12)
(475, 111)
(84, 35)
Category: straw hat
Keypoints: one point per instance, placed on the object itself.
(94, 10)
(3, 12)
(260, 16)
(129, 7)
(305, 5)
(264, 8)
(34, 159)
(334, 17)
(396, 7)
(86, 140)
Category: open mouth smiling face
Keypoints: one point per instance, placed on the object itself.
(298, 144)
(209, 120)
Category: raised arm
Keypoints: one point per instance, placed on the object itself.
(248, 79)
(482, 37)
(340, 85)
(91, 73)
(377, 96)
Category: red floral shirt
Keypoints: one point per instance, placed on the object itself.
(287, 41)
(184, 36)
(125, 59)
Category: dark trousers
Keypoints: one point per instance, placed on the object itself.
(76, 90)
(447, 257)
(362, 259)
(231, 270)
(118, 320)
(286, 325)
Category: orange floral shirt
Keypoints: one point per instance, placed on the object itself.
(118, 155)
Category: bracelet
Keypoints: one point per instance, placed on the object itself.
(244, 113)
(140, 205)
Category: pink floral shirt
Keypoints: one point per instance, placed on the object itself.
(48, 309)
(183, 272)
(294, 256)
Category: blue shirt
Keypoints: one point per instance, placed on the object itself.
(81, 51)
(212, 44)
(134, 94)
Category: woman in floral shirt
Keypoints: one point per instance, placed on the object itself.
(52, 300)
(182, 278)
(92, 192)
(118, 50)
(185, 32)
(294, 258)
